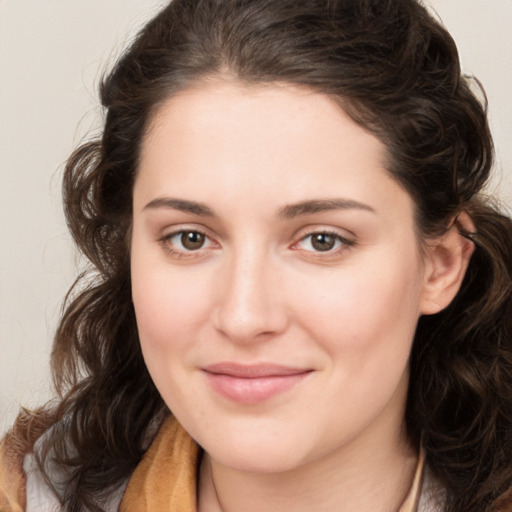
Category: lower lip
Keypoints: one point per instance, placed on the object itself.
(253, 390)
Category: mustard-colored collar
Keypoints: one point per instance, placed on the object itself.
(165, 479)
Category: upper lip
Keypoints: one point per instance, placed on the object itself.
(253, 371)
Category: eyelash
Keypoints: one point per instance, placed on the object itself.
(343, 243)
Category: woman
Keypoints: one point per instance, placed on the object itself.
(299, 298)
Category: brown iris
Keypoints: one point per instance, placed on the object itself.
(192, 240)
(323, 241)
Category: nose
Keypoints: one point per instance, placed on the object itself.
(250, 299)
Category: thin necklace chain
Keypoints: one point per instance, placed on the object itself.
(214, 486)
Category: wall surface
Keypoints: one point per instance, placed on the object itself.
(52, 54)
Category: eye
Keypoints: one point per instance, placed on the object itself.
(186, 241)
(323, 241)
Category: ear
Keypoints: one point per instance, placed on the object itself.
(447, 260)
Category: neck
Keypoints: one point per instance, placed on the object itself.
(354, 479)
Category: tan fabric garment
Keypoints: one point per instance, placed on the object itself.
(413, 497)
(12, 478)
(165, 480)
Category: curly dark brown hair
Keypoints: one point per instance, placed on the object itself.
(395, 70)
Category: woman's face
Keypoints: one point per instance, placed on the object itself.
(276, 272)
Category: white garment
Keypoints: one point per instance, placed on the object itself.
(40, 498)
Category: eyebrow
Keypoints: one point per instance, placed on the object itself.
(321, 205)
(182, 205)
(286, 212)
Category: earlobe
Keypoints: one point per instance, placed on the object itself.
(447, 261)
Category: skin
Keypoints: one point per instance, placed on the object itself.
(227, 160)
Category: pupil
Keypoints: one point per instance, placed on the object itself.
(323, 242)
(192, 240)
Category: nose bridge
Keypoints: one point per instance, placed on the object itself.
(249, 304)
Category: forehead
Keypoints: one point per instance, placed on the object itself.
(276, 109)
(286, 142)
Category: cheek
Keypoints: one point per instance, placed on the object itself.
(365, 308)
(169, 313)
(168, 305)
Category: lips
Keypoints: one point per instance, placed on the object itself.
(251, 384)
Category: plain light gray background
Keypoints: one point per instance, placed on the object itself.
(52, 54)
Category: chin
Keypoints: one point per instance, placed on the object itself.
(260, 449)
(257, 459)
